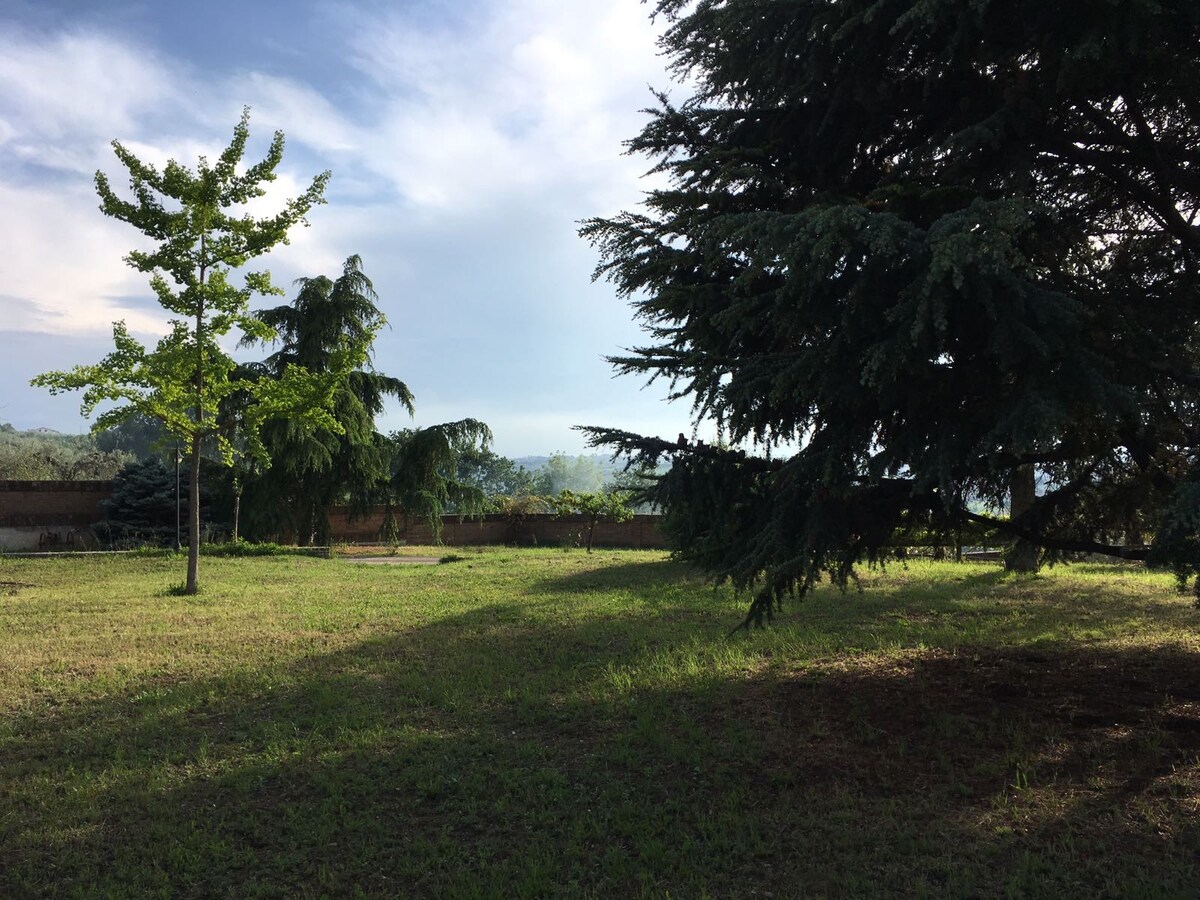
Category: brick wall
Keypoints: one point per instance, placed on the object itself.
(26, 504)
(34, 514)
(641, 532)
(50, 515)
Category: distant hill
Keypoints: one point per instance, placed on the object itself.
(40, 454)
(42, 433)
(533, 463)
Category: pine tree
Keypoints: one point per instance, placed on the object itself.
(425, 482)
(314, 467)
(142, 506)
(913, 249)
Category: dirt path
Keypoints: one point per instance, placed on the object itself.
(393, 560)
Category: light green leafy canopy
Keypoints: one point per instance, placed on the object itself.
(203, 234)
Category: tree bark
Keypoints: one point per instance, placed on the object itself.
(237, 508)
(1134, 536)
(194, 497)
(194, 519)
(1023, 555)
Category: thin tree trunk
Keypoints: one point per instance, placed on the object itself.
(1023, 555)
(237, 508)
(194, 519)
(194, 497)
(958, 539)
(1133, 533)
(304, 538)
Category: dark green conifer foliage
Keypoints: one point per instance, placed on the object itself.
(313, 467)
(142, 508)
(426, 481)
(926, 243)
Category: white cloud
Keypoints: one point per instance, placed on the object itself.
(62, 99)
(536, 98)
(521, 113)
(72, 92)
(462, 158)
(63, 262)
(299, 110)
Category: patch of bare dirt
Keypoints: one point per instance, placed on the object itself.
(395, 560)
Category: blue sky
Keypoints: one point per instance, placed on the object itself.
(466, 141)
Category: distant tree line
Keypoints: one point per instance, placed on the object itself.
(48, 456)
(287, 503)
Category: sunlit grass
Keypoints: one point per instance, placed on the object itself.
(524, 723)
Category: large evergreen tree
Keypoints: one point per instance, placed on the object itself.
(923, 250)
(426, 481)
(313, 468)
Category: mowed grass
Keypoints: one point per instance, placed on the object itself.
(545, 723)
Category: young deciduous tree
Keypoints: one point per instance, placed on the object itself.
(203, 233)
(938, 247)
(612, 506)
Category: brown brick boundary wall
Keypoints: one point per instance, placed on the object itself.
(25, 504)
(642, 532)
(39, 508)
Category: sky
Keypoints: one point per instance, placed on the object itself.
(467, 139)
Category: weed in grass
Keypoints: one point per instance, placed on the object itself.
(1020, 782)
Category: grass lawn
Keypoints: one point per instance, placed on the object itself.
(533, 723)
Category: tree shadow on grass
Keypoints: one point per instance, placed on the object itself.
(667, 582)
(486, 754)
(975, 604)
(646, 578)
(677, 592)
